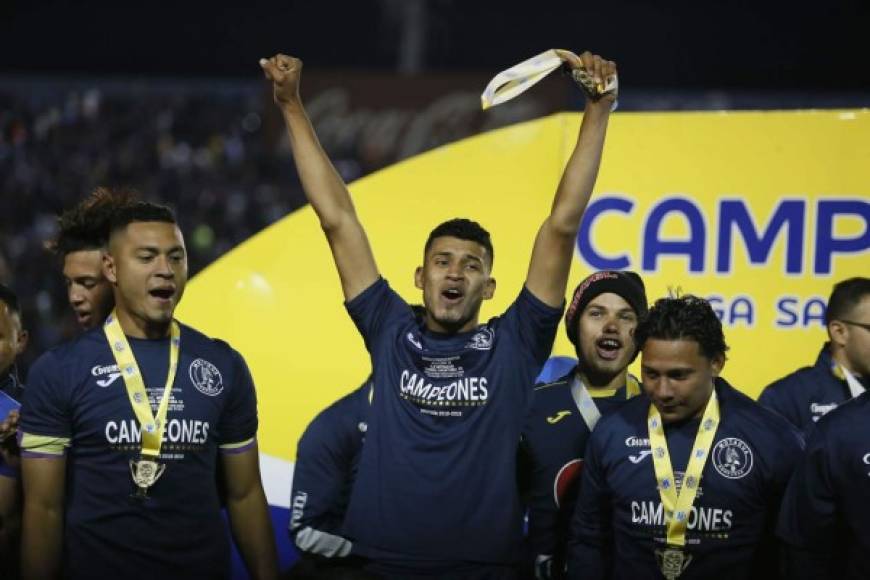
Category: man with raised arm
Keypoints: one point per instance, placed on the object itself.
(436, 491)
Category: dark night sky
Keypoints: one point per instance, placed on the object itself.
(822, 46)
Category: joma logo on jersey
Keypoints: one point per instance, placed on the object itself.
(110, 372)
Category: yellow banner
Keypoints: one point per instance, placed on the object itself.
(760, 211)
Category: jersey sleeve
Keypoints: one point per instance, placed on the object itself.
(237, 430)
(45, 426)
(535, 324)
(809, 513)
(322, 478)
(375, 309)
(589, 542)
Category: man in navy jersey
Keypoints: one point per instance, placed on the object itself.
(121, 429)
(842, 370)
(327, 458)
(13, 341)
(825, 516)
(600, 323)
(436, 491)
(83, 232)
(686, 481)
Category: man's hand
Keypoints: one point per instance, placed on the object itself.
(9, 425)
(8, 443)
(285, 73)
(597, 69)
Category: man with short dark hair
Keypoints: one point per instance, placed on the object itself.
(435, 493)
(121, 429)
(600, 323)
(13, 341)
(686, 481)
(842, 369)
(83, 232)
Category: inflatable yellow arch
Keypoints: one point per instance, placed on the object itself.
(760, 212)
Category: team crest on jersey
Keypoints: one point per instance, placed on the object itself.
(206, 378)
(732, 458)
(481, 340)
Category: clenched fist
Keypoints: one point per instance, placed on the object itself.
(284, 72)
(593, 72)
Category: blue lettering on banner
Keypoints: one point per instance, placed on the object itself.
(693, 247)
(741, 308)
(584, 239)
(789, 215)
(791, 313)
(826, 244)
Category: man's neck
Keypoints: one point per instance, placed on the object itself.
(136, 327)
(597, 381)
(433, 325)
(838, 355)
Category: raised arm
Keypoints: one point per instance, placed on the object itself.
(554, 244)
(324, 188)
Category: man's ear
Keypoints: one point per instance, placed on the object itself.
(109, 270)
(718, 363)
(23, 339)
(489, 288)
(418, 277)
(838, 332)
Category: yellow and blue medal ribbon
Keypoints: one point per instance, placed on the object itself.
(677, 504)
(152, 425)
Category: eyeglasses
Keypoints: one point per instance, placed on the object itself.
(864, 325)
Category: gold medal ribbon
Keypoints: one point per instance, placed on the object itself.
(678, 504)
(152, 426)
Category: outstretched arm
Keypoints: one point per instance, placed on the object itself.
(324, 188)
(554, 245)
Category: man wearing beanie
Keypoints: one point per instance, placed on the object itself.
(600, 322)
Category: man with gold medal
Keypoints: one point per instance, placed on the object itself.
(121, 431)
(685, 482)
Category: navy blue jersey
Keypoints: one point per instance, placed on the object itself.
(437, 478)
(619, 520)
(11, 386)
(825, 517)
(554, 445)
(326, 463)
(808, 393)
(76, 402)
